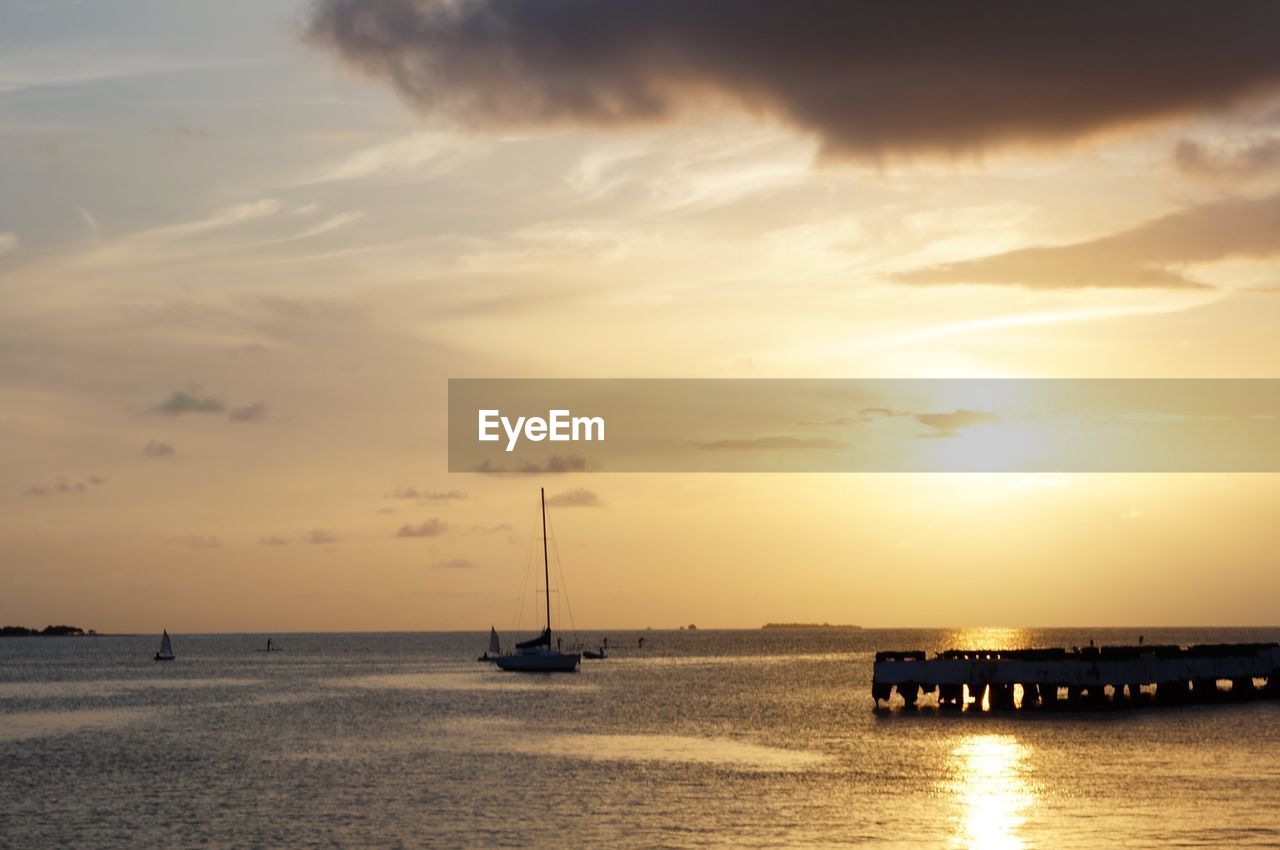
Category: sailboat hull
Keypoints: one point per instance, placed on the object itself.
(539, 662)
(160, 657)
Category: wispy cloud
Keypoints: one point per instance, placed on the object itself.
(413, 493)
(181, 402)
(158, 449)
(579, 497)
(321, 537)
(555, 464)
(422, 155)
(774, 442)
(1255, 158)
(198, 541)
(62, 486)
(1151, 255)
(255, 412)
(454, 564)
(428, 528)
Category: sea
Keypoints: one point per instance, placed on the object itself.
(697, 739)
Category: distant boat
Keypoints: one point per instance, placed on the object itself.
(536, 655)
(166, 648)
(596, 655)
(495, 648)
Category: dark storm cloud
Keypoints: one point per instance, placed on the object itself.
(866, 77)
(1150, 255)
(187, 401)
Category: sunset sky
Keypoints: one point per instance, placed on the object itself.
(243, 246)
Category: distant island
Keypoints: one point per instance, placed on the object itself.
(47, 631)
(807, 626)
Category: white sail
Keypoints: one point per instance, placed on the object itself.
(494, 647)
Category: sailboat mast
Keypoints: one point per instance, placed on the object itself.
(546, 567)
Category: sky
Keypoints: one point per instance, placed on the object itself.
(243, 247)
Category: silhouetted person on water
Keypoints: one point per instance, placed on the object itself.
(558, 640)
(641, 644)
(268, 644)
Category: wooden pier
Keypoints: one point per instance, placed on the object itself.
(1080, 679)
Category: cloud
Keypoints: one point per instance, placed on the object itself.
(429, 528)
(579, 497)
(1150, 255)
(187, 401)
(196, 541)
(770, 443)
(948, 424)
(321, 537)
(865, 77)
(158, 449)
(554, 464)
(1254, 159)
(274, 540)
(255, 412)
(492, 529)
(63, 485)
(415, 494)
(454, 564)
(421, 155)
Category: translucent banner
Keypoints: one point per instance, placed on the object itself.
(501, 426)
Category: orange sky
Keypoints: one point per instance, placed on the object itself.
(237, 268)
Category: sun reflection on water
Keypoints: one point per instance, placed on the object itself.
(988, 782)
(987, 637)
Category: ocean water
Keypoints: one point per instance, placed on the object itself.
(700, 739)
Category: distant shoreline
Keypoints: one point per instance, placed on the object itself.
(808, 626)
(47, 631)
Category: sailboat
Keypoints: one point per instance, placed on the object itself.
(166, 648)
(495, 648)
(536, 655)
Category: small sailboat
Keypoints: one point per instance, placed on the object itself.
(166, 648)
(495, 648)
(536, 655)
(595, 654)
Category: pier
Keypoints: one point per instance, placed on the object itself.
(1092, 678)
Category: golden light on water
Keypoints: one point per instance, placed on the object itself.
(986, 637)
(989, 785)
